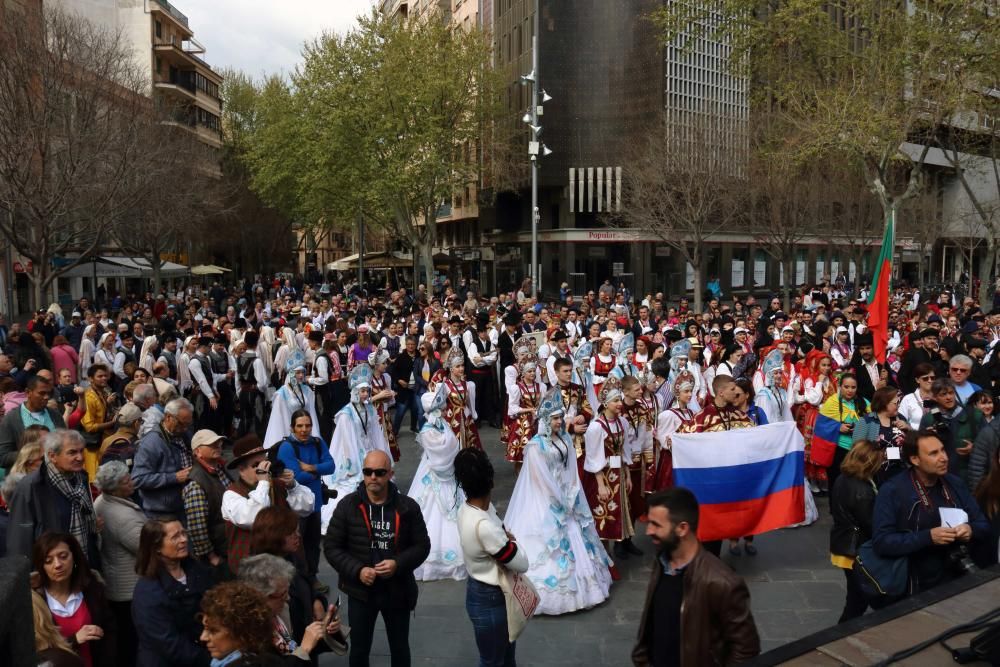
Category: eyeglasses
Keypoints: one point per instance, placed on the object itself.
(928, 378)
(376, 472)
(959, 370)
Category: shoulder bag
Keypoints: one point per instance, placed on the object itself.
(519, 593)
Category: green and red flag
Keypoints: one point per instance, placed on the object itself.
(878, 299)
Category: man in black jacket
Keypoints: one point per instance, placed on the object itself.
(404, 384)
(376, 539)
(870, 374)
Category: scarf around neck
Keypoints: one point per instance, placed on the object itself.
(74, 487)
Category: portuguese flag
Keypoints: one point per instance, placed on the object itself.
(878, 299)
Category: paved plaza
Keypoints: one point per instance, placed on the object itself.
(794, 592)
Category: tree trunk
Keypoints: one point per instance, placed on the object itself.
(157, 269)
(986, 287)
(698, 286)
(426, 252)
(786, 285)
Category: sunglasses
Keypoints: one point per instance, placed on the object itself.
(926, 377)
(376, 472)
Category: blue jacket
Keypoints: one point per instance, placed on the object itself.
(154, 471)
(315, 452)
(901, 526)
(166, 612)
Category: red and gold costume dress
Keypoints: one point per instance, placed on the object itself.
(522, 426)
(460, 413)
(640, 425)
(605, 447)
(384, 413)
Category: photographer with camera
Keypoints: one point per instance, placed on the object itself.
(927, 515)
(257, 487)
(958, 426)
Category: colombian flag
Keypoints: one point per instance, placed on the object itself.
(878, 299)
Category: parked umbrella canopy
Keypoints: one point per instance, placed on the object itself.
(208, 270)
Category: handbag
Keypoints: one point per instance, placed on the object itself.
(880, 577)
(519, 594)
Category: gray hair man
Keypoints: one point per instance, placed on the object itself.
(163, 462)
(56, 498)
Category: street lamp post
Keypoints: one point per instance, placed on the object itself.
(535, 147)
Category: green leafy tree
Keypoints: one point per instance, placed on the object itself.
(373, 123)
(853, 79)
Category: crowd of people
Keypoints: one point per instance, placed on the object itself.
(175, 465)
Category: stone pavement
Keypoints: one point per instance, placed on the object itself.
(794, 592)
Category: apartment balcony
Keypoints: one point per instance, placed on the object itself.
(178, 83)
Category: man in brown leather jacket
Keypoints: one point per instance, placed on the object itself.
(697, 610)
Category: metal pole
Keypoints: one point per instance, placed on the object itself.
(93, 285)
(534, 162)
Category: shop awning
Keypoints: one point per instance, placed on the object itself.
(122, 267)
(372, 260)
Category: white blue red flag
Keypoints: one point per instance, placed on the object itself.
(747, 481)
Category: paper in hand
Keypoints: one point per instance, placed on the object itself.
(952, 517)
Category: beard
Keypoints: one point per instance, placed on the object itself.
(668, 545)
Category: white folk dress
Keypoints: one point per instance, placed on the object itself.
(435, 490)
(549, 516)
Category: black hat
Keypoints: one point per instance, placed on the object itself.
(148, 331)
(512, 319)
(928, 333)
(205, 340)
(559, 335)
(455, 319)
(247, 446)
(673, 335)
(316, 336)
(240, 323)
(251, 338)
(865, 338)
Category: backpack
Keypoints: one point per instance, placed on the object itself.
(272, 452)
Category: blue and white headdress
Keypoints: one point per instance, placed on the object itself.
(432, 403)
(551, 405)
(360, 378)
(296, 360)
(625, 345)
(680, 349)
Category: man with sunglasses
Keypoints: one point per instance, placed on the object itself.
(376, 539)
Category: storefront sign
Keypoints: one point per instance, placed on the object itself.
(23, 268)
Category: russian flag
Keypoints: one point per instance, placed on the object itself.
(747, 481)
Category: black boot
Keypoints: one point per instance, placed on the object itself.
(631, 548)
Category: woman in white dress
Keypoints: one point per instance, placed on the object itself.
(549, 513)
(774, 397)
(435, 490)
(147, 355)
(295, 394)
(356, 432)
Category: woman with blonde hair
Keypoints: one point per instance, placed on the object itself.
(852, 500)
(51, 647)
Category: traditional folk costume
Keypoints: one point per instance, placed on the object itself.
(552, 519)
(357, 432)
(680, 365)
(460, 410)
(380, 382)
(321, 373)
(292, 396)
(606, 453)
(601, 366)
(253, 384)
(524, 349)
(439, 496)
(668, 422)
(774, 398)
(522, 407)
(641, 423)
(813, 390)
(481, 370)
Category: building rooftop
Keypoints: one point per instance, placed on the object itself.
(173, 11)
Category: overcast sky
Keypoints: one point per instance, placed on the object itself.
(264, 36)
